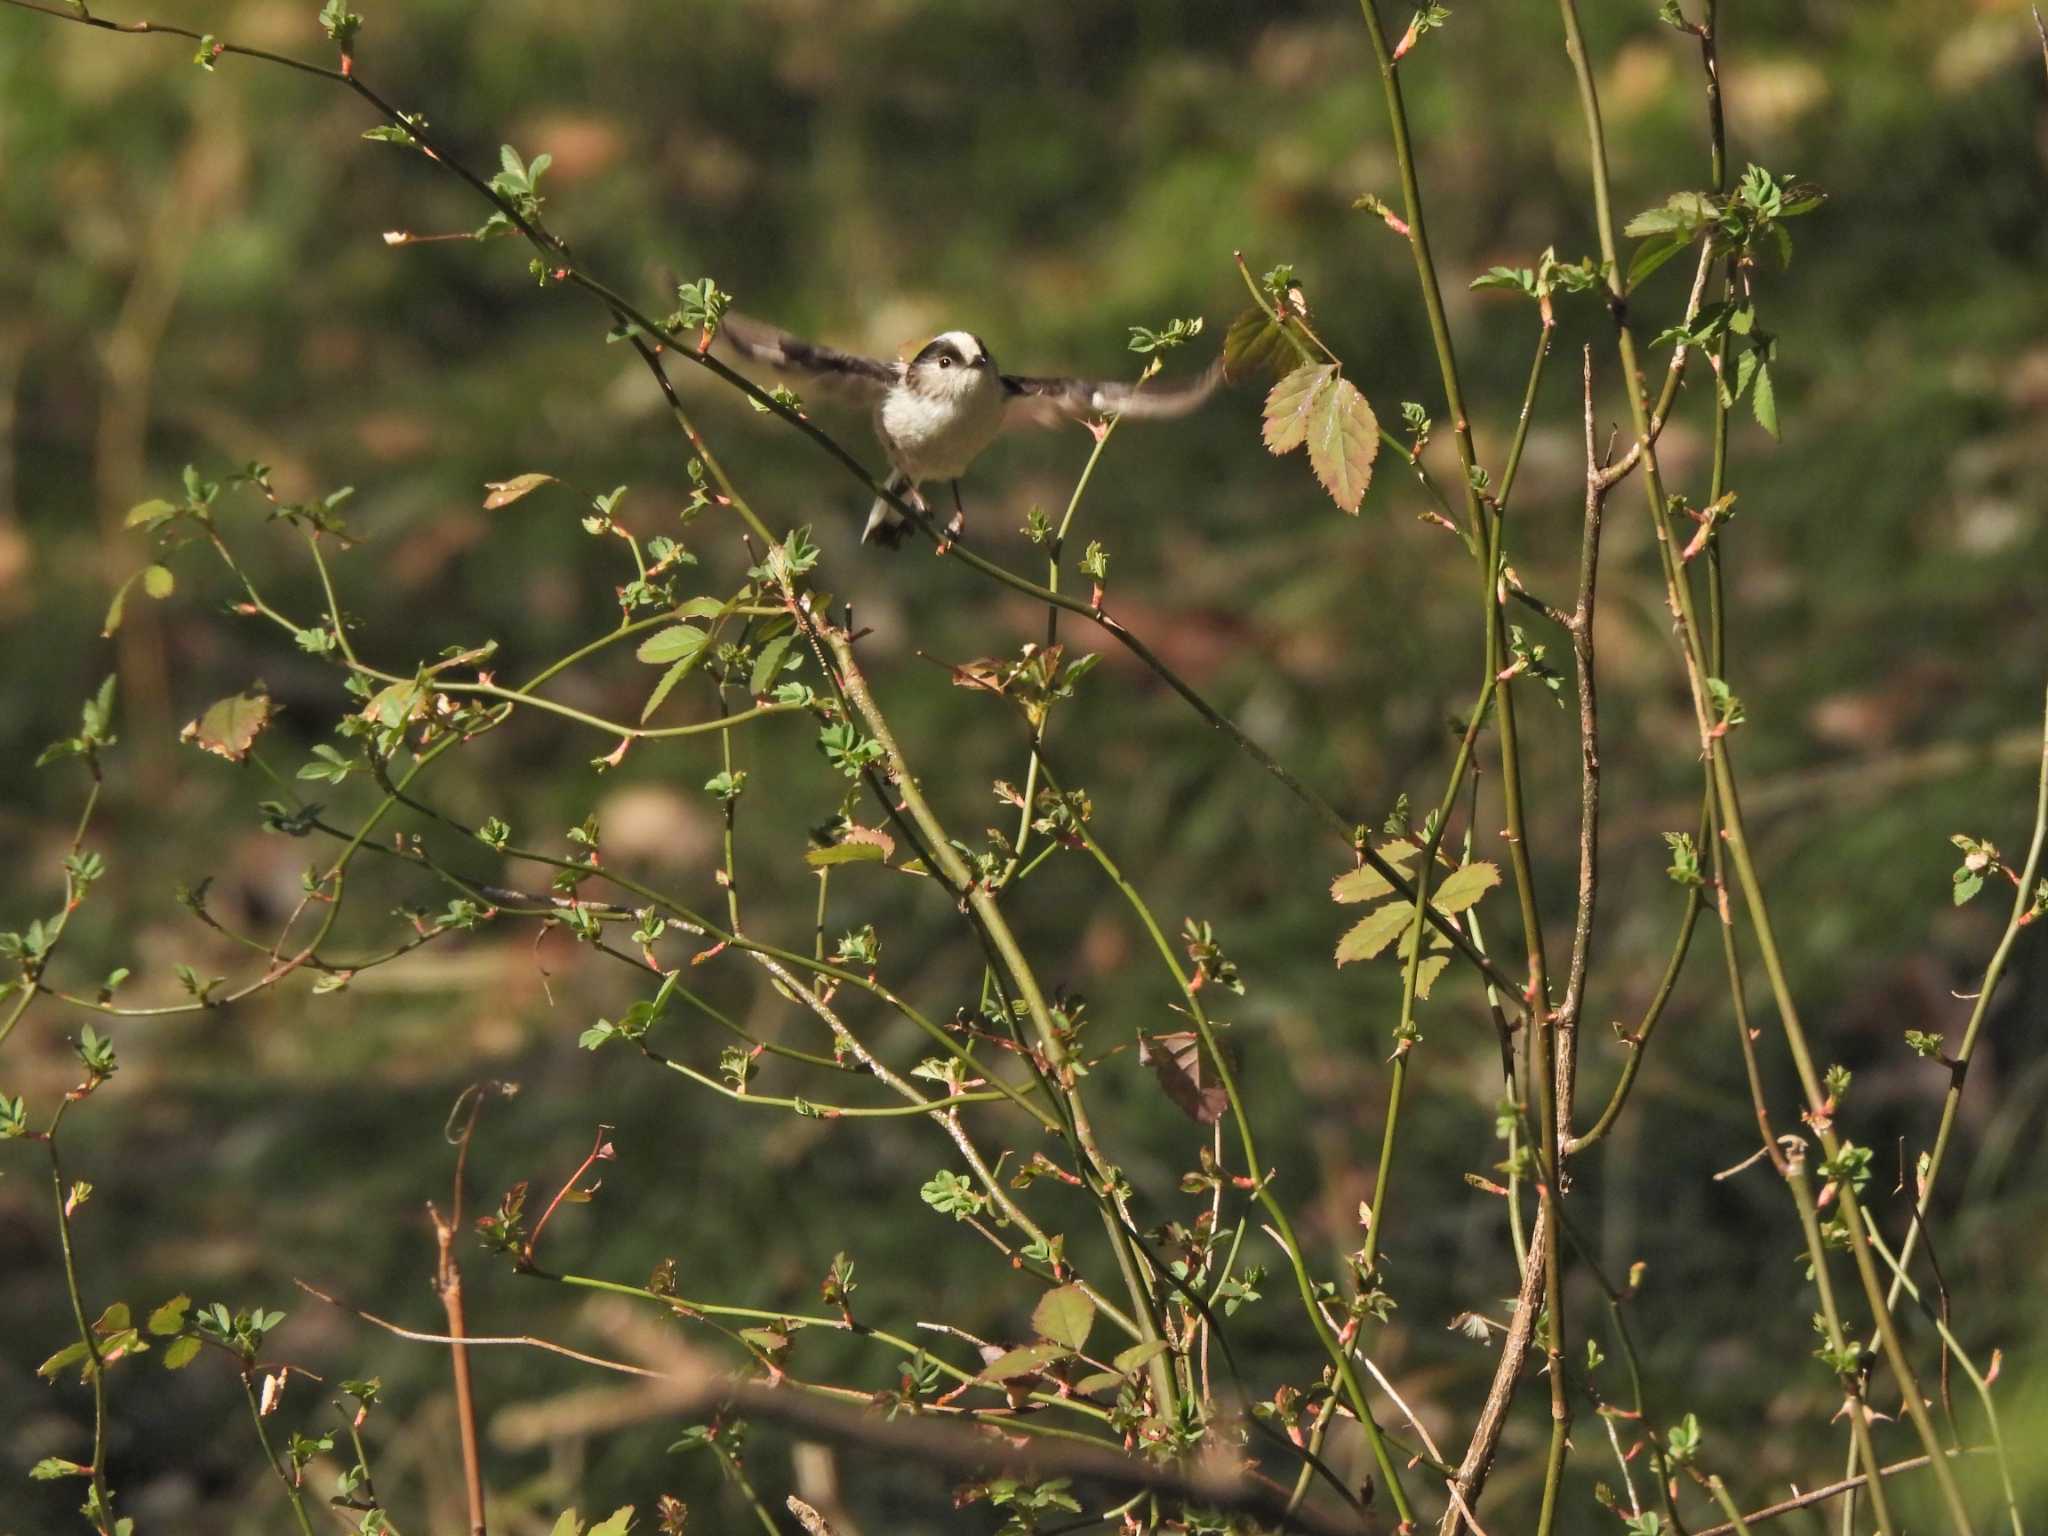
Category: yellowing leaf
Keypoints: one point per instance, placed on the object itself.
(1343, 440)
(1064, 1316)
(1374, 932)
(181, 1351)
(843, 853)
(151, 512)
(170, 1317)
(1291, 403)
(230, 726)
(1464, 886)
(505, 492)
(1427, 973)
(1361, 884)
(1023, 1362)
(158, 581)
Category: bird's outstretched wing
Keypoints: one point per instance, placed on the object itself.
(1048, 402)
(846, 374)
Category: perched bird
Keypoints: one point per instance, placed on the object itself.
(936, 412)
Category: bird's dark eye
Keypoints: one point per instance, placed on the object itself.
(945, 361)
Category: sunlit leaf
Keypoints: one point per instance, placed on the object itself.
(1023, 1362)
(505, 492)
(1464, 886)
(1064, 1316)
(230, 726)
(1343, 440)
(1374, 932)
(1289, 405)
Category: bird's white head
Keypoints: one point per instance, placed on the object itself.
(952, 365)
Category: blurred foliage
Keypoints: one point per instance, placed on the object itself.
(195, 274)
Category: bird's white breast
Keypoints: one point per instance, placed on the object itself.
(936, 436)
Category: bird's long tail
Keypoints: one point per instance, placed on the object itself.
(886, 526)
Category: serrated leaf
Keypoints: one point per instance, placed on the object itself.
(1374, 932)
(1290, 404)
(230, 726)
(1027, 1361)
(181, 1351)
(1464, 886)
(505, 492)
(1343, 440)
(158, 581)
(1177, 1062)
(1651, 255)
(676, 643)
(768, 665)
(1064, 1316)
(1131, 1360)
(1763, 399)
(843, 853)
(1361, 884)
(1253, 345)
(1427, 973)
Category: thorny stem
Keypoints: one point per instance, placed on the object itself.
(1722, 769)
(1340, 1356)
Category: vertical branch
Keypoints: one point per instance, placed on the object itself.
(448, 1286)
(1589, 757)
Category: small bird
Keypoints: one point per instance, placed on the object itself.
(935, 413)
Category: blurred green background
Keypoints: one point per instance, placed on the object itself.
(194, 272)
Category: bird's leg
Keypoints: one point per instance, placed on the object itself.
(959, 523)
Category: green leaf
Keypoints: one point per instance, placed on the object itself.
(118, 606)
(1131, 1360)
(1254, 345)
(230, 726)
(570, 1524)
(170, 1317)
(1064, 1316)
(158, 581)
(1098, 1381)
(1463, 886)
(1763, 399)
(702, 608)
(150, 513)
(505, 492)
(844, 853)
(675, 643)
(621, 1521)
(1374, 932)
(1027, 1361)
(1343, 440)
(1651, 255)
(181, 1351)
(1292, 402)
(69, 1355)
(1427, 973)
(1361, 884)
(768, 666)
(50, 1468)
